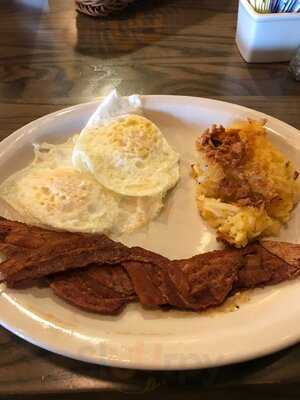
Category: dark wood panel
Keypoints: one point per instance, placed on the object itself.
(170, 47)
(27, 369)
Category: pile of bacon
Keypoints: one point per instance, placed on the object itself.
(97, 274)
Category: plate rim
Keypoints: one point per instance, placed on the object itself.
(145, 365)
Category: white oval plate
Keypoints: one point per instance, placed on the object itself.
(140, 338)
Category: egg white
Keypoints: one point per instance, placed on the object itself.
(128, 155)
(51, 193)
(63, 198)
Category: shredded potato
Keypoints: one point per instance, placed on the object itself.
(253, 198)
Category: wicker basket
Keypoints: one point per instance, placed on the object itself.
(101, 8)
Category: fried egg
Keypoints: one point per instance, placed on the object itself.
(51, 193)
(112, 178)
(54, 155)
(63, 198)
(128, 155)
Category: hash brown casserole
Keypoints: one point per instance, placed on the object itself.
(246, 187)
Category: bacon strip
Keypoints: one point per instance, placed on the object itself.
(90, 288)
(99, 275)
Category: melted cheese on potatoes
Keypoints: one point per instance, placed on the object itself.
(246, 187)
(128, 155)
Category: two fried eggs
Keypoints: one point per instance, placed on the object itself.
(109, 179)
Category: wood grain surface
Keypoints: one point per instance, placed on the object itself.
(50, 58)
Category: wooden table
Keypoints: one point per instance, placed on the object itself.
(50, 58)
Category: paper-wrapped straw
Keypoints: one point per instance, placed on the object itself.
(261, 6)
(275, 6)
